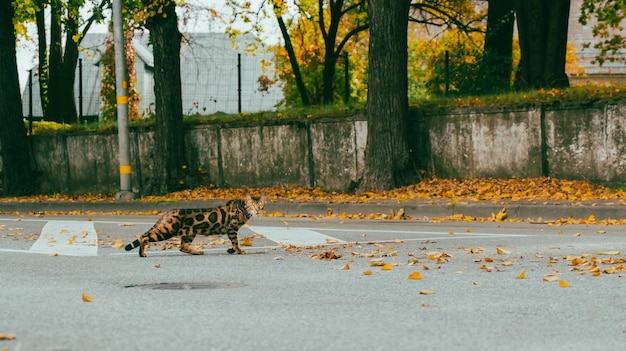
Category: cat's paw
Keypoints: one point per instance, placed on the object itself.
(232, 251)
(191, 251)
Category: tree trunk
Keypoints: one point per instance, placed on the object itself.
(332, 46)
(330, 38)
(387, 161)
(62, 102)
(57, 75)
(304, 95)
(328, 76)
(542, 27)
(498, 49)
(169, 143)
(55, 64)
(42, 46)
(67, 107)
(17, 177)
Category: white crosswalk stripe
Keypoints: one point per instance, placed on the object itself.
(294, 236)
(67, 238)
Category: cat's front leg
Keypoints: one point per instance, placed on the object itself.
(232, 235)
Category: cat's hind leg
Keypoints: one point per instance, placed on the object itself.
(186, 238)
(143, 241)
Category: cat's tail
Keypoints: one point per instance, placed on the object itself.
(132, 245)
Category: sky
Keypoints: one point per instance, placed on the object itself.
(199, 21)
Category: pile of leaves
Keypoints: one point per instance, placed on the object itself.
(478, 189)
(508, 189)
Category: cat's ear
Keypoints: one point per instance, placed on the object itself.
(248, 198)
(262, 198)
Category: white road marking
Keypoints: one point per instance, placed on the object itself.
(294, 236)
(174, 252)
(469, 235)
(68, 238)
(79, 238)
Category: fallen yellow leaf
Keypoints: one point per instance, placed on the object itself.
(500, 216)
(117, 243)
(522, 274)
(563, 284)
(487, 268)
(550, 278)
(327, 255)
(613, 270)
(246, 242)
(400, 214)
(611, 253)
(7, 337)
(386, 267)
(415, 276)
(367, 273)
(362, 254)
(87, 298)
(502, 251)
(345, 267)
(427, 292)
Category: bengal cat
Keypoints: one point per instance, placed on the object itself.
(187, 223)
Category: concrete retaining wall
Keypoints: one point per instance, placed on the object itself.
(494, 142)
(570, 141)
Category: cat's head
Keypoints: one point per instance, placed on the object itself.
(254, 205)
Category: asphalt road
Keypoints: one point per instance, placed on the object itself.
(277, 297)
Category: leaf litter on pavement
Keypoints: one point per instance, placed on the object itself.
(384, 257)
(447, 191)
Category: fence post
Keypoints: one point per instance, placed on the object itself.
(239, 82)
(447, 71)
(80, 89)
(30, 102)
(346, 72)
